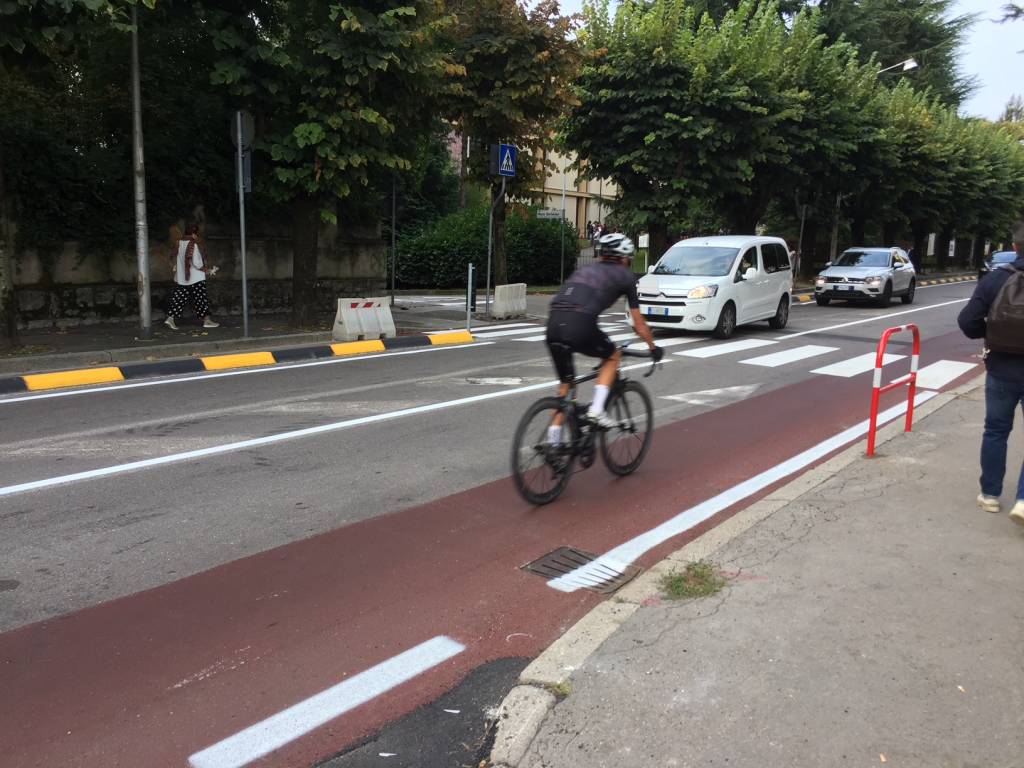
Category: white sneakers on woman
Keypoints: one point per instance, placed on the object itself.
(991, 504)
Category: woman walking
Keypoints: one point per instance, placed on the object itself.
(190, 273)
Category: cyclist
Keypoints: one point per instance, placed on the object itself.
(572, 323)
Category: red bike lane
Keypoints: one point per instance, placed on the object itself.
(153, 678)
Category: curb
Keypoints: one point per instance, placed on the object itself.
(804, 298)
(521, 714)
(35, 382)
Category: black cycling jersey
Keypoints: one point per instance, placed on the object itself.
(595, 287)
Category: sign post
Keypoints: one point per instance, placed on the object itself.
(470, 296)
(241, 134)
(503, 163)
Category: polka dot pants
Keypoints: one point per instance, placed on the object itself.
(190, 294)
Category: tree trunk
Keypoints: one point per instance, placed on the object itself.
(810, 260)
(658, 241)
(942, 248)
(920, 244)
(305, 226)
(500, 260)
(857, 225)
(890, 230)
(463, 169)
(978, 254)
(8, 313)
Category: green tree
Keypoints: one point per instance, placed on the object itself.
(518, 65)
(339, 91)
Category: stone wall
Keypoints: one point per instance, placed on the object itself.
(69, 286)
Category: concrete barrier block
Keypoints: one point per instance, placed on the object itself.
(361, 319)
(509, 301)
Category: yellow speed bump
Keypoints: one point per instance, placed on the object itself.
(243, 360)
(77, 378)
(453, 337)
(357, 347)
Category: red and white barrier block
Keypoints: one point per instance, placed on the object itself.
(363, 319)
(910, 380)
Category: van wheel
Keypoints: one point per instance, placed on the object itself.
(908, 297)
(726, 322)
(781, 315)
(822, 301)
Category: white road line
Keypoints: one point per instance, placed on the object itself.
(785, 357)
(483, 328)
(622, 336)
(625, 554)
(245, 372)
(512, 332)
(939, 374)
(874, 319)
(668, 342)
(539, 337)
(724, 349)
(855, 365)
(277, 730)
(215, 450)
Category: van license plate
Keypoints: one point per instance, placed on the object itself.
(657, 311)
(849, 287)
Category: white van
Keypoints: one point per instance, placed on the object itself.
(716, 283)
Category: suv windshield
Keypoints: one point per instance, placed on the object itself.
(863, 259)
(1004, 257)
(698, 260)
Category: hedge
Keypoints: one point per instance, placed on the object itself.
(437, 256)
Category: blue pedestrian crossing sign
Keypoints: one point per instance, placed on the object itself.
(506, 160)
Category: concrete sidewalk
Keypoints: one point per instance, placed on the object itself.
(875, 618)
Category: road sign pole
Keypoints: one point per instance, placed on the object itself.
(139, 173)
(561, 272)
(490, 243)
(469, 298)
(241, 226)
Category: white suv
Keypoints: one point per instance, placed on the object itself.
(716, 283)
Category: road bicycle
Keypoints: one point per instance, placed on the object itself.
(541, 469)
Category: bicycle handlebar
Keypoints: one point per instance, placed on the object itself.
(655, 354)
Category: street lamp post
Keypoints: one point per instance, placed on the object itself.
(907, 65)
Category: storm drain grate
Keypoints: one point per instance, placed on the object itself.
(598, 577)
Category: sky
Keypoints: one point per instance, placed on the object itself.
(990, 54)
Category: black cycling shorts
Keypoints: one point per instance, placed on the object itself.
(570, 332)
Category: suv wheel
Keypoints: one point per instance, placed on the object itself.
(781, 315)
(908, 297)
(726, 322)
(822, 301)
(886, 298)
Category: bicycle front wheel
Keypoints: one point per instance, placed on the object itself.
(624, 446)
(541, 469)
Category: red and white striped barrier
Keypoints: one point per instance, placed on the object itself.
(364, 319)
(910, 380)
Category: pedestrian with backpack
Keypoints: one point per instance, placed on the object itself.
(996, 313)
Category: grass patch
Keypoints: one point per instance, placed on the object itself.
(698, 579)
(560, 690)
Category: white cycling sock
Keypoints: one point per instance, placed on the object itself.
(600, 398)
(555, 434)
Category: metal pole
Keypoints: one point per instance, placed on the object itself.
(241, 227)
(800, 242)
(394, 257)
(490, 245)
(561, 278)
(469, 298)
(141, 227)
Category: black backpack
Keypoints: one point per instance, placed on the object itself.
(1004, 327)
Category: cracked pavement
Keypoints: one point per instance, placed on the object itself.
(876, 619)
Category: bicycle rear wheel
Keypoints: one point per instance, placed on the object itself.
(542, 470)
(623, 447)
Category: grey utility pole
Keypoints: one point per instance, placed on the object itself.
(141, 227)
(561, 279)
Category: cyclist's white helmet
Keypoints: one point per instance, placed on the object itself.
(616, 244)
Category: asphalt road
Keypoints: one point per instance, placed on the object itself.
(185, 558)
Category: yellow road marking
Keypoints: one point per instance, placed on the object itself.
(37, 381)
(242, 360)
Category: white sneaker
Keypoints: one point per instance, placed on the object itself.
(1017, 513)
(169, 322)
(988, 503)
(602, 420)
(210, 324)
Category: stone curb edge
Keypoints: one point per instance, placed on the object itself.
(806, 296)
(521, 714)
(104, 375)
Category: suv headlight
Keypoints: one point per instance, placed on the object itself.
(703, 292)
(820, 280)
(876, 280)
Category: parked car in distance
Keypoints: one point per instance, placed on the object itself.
(718, 283)
(993, 261)
(867, 274)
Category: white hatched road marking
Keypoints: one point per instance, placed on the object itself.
(299, 719)
(667, 342)
(541, 337)
(785, 357)
(493, 327)
(855, 365)
(510, 332)
(939, 374)
(724, 349)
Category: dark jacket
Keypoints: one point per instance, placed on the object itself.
(972, 322)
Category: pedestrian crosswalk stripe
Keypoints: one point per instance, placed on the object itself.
(486, 328)
(539, 337)
(510, 332)
(855, 365)
(667, 342)
(939, 374)
(724, 349)
(622, 336)
(787, 356)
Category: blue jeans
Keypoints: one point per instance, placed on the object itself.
(1001, 401)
